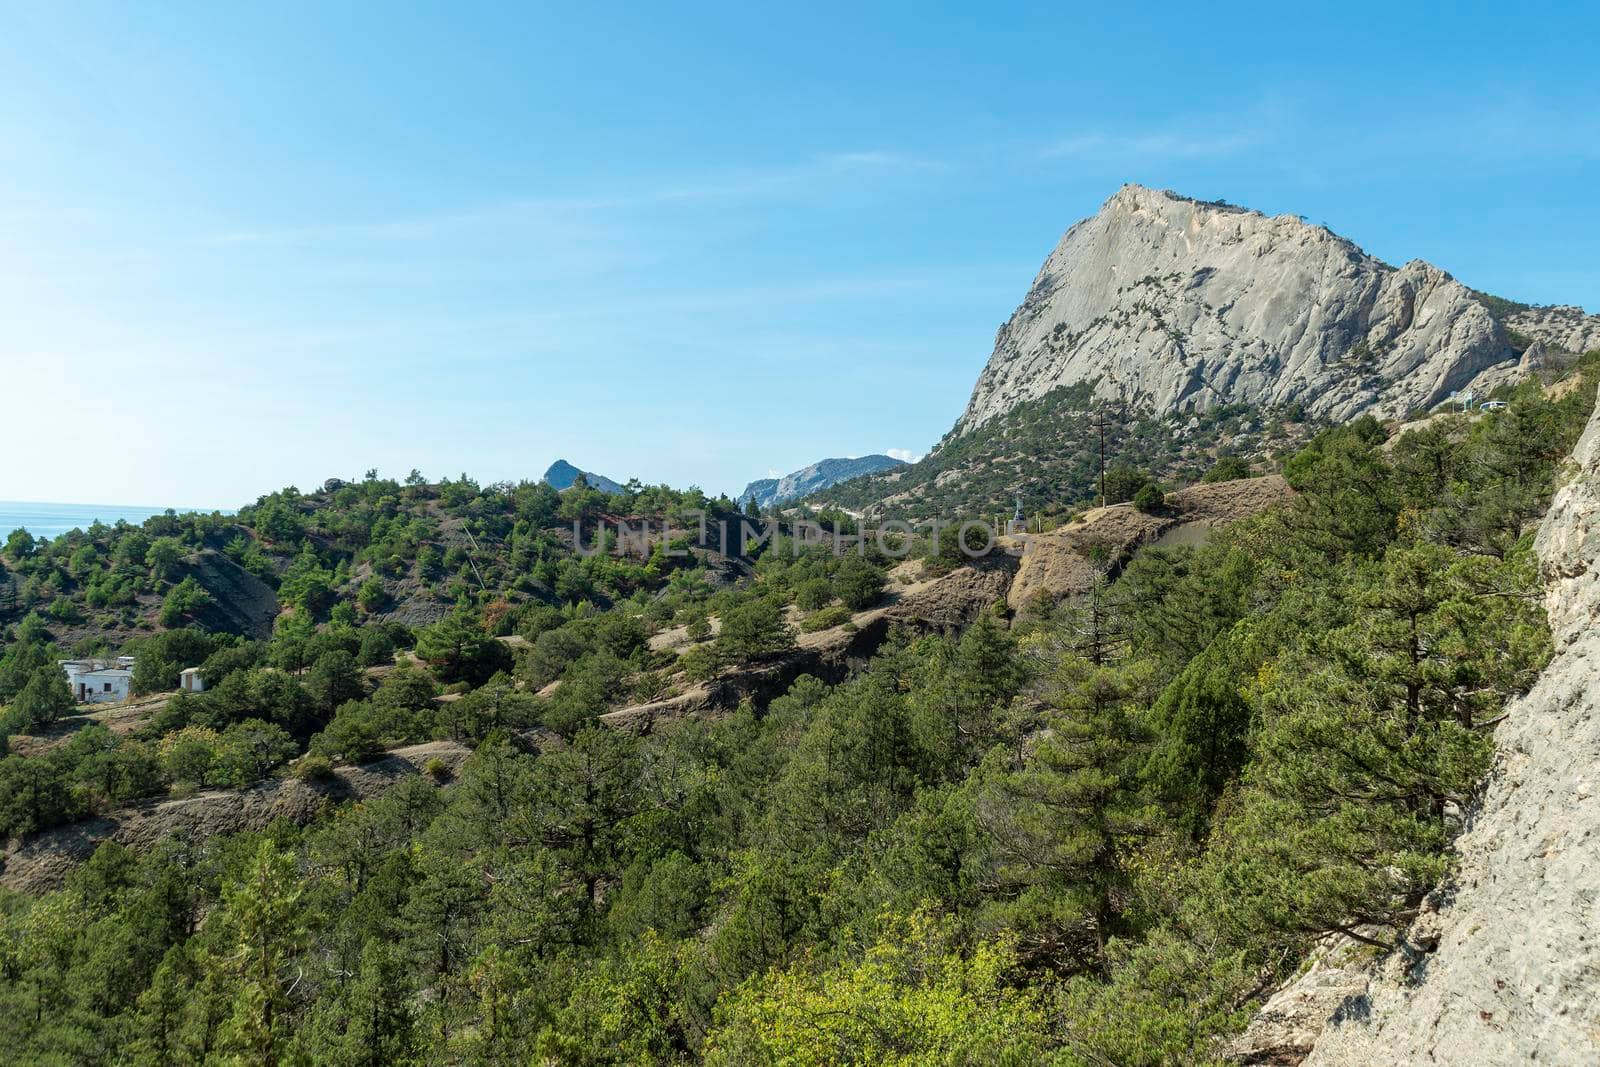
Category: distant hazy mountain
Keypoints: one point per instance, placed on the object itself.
(824, 474)
(562, 474)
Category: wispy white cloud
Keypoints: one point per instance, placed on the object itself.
(904, 454)
(732, 183)
(883, 160)
(748, 182)
(1470, 128)
(1180, 138)
(1509, 127)
(492, 218)
(1150, 147)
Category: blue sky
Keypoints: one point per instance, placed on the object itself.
(249, 245)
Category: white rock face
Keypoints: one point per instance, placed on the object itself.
(1569, 551)
(1515, 974)
(1175, 304)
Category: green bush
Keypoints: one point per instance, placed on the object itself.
(355, 735)
(1150, 498)
(372, 596)
(1123, 483)
(858, 583)
(700, 663)
(1227, 469)
(184, 600)
(698, 627)
(753, 630)
(313, 768)
(825, 619)
(814, 594)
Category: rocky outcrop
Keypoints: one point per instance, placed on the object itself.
(1561, 327)
(41, 861)
(1061, 563)
(1538, 360)
(828, 655)
(1569, 548)
(1219, 502)
(954, 602)
(1503, 965)
(1286, 1028)
(823, 474)
(641, 718)
(1171, 304)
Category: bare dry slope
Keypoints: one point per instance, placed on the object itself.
(40, 861)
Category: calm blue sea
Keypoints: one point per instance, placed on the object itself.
(53, 520)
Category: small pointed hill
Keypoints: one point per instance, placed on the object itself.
(562, 475)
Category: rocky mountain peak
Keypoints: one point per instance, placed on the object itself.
(1171, 303)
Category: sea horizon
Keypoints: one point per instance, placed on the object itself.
(51, 519)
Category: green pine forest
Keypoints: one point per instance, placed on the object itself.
(1094, 834)
(1046, 453)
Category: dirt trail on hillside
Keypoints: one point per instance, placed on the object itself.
(42, 861)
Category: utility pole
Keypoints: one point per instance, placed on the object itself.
(1102, 425)
(474, 562)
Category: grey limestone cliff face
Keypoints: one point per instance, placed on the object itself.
(1175, 304)
(1561, 327)
(1504, 965)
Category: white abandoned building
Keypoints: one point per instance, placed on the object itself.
(99, 681)
(190, 680)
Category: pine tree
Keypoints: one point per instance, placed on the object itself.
(1443, 637)
(1062, 823)
(583, 797)
(265, 914)
(371, 1024)
(1201, 723)
(958, 706)
(180, 1015)
(43, 700)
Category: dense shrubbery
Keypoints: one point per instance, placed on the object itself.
(348, 548)
(1094, 837)
(1048, 451)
